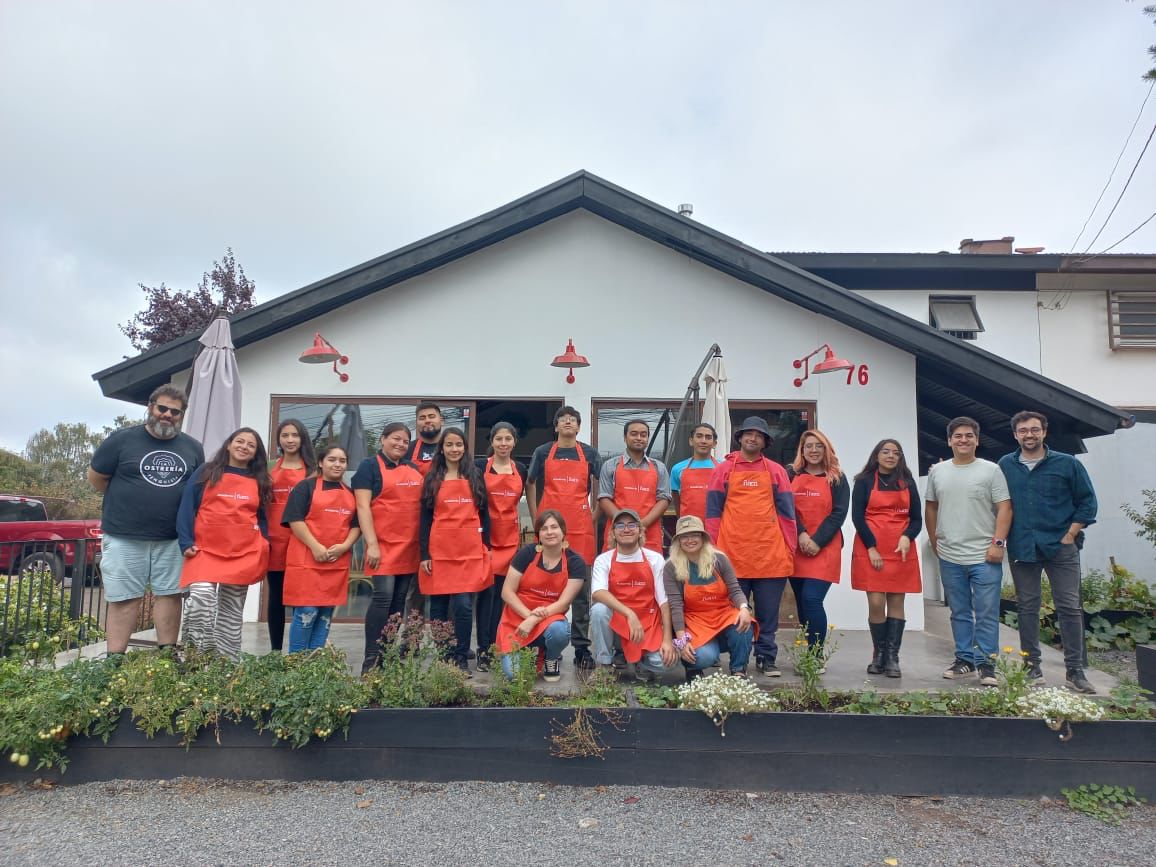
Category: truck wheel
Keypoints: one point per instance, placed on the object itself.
(42, 561)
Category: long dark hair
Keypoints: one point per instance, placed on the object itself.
(258, 467)
(872, 466)
(498, 428)
(307, 456)
(467, 469)
(323, 454)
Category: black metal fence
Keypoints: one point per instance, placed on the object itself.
(52, 588)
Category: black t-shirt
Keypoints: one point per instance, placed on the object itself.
(147, 477)
(575, 565)
(301, 501)
(422, 450)
(569, 453)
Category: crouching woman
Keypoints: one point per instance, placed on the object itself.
(540, 584)
(322, 516)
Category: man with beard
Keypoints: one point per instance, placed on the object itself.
(142, 472)
(429, 434)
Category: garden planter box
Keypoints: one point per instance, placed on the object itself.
(1146, 666)
(785, 751)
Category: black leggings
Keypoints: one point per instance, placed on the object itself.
(388, 599)
(275, 610)
(488, 611)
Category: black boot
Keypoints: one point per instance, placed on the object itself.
(879, 655)
(894, 640)
(693, 674)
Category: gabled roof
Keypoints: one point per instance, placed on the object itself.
(945, 365)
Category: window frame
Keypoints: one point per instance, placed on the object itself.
(1117, 341)
(962, 334)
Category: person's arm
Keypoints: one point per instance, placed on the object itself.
(606, 480)
(1003, 519)
(104, 461)
(301, 530)
(833, 523)
(537, 464)
(716, 499)
(931, 521)
(914, 521)
(99, 481)
(673, 590)
(860, 494)
(576, 568)
(364, 498)
(425, 527)
(594, 463)
(664, 491)
(1083, 501)
(187, 517)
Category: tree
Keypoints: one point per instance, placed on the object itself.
(1151, 74)
(67, 446)
(172, 313)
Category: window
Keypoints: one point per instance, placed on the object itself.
(1132, 320)
(955, 315)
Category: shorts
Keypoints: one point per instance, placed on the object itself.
(129, 567)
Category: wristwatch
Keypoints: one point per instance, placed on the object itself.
(999, 543)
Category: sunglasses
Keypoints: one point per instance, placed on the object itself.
(632, 525)
(161, 409)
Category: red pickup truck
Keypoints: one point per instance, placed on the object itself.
(30, 540)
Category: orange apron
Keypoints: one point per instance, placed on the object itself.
(565, 488)
(707, 610)
(887, 516)
(232, 549)
(637, 489)
(461, 563)
(284, 480)
(692, 489)
(632, 584)
(308, 582)
(397, 518)
(813, 503)
(504, 492)
(749, 533)
(537, 588)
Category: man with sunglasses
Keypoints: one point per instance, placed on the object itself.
(142, 472)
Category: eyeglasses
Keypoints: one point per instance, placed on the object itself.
(631, 525)
(1029, 430)
(161, 409)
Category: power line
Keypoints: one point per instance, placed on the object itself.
(1151, 217)
(1115, 165)
(1124, 190)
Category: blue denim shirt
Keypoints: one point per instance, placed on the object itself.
(1046, 501)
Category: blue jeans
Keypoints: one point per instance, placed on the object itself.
(738, 646)
(310, 627)
(463, 618)
(973, 595)
(602, 641)
(768, 593)
(554, 640)
(809, 596)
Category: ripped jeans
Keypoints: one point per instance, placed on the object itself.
(310, 627)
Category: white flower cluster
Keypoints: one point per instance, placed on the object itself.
(723, 694)
(1055, 705)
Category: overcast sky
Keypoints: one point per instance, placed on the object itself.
(139, 139)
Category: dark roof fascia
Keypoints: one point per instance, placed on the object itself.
(1037, 263)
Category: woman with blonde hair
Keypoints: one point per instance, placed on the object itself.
(822, 500)
(707, 607)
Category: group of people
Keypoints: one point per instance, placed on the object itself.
(442, 534)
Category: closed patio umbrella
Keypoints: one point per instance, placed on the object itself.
(352, 435)
(214, 389)
(716, 409)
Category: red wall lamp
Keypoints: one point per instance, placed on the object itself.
(829, 364)
(323, 352)
(570, 359)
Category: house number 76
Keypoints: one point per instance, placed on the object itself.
(863, 377)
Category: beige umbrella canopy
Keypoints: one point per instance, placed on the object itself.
(214, 389)
(716, 409)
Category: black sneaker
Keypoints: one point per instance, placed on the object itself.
(1076, 682)
(583, 661)
(483, 663)
(552, 670)
(619, 660)
(767, 667)
(1035, 674)
(464, 664)
(987, 676)
(959, 669)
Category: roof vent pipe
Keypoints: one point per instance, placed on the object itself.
(685, 209)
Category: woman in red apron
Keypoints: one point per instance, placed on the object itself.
(885, 511)
(690, 479)
(455, 539)
(322, 516)
(505, 481)
(708, 610)
(822, 499)
(296, 462)
(387, 488)
(540, 584)
(223, 533)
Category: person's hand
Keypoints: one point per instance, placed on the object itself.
(1068, 539)
(994, 554)
(524, 628)
(744, 620)
(192, 551)
(876, 558)
(637, 633)
(320, 553)
(540, 612)
(372, 555)
(669, 654)
(687, 653)
(903, 547)
(427, 567)
(807, 545)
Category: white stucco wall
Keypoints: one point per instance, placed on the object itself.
(488, 326)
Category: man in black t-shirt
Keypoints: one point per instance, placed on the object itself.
(142, 472)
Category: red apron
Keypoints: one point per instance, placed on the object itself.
(232, 549)
(537, 588)
(813, 504)
(637, 489)
(692, 488)
(460, 560)
(284, 480)
(422, 464)
(564, 487)
(505, 526)
(397, 518)
(887, 516)
(308, 582)
(749, 533)
(632, 584)
(707, 610)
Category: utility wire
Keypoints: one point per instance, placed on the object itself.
(1115, 166)
(1124, 190)
(1151, 217)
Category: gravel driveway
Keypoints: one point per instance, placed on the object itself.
(190, 821)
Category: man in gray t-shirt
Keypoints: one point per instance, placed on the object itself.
(967, 515)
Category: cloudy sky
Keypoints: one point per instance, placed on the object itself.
(139, 139)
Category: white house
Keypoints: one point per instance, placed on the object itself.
(473, 316)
